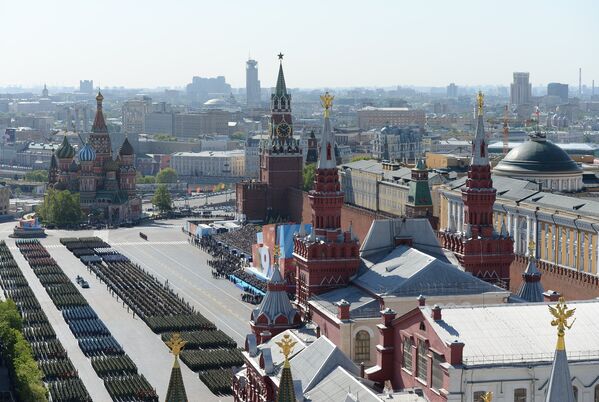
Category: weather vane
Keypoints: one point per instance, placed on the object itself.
(175, 344)
(326, 101)
(561, 314)
(286, 346)
(480, 100)
(531, 249)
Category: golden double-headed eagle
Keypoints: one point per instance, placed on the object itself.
(286, 345)
(176, 344)
(326, 101)
(480, 100)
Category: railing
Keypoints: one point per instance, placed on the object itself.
(528, 357)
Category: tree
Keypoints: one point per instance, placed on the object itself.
(238, 135)
(60, 208)
(146, 180)
(166, 175)
(308, 175)
(162, 199)
(37, 176)
(361, 158)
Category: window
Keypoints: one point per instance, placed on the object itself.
(478, 396)
(422, 360)
(520, 395)
(437, 371)
(362, 348)
(407, 353)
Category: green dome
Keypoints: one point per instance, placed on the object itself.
(65, 150)
(536, 155)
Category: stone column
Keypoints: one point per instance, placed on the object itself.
(528, 230)
(448, 214)
(516, 233)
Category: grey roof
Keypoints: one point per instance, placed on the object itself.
(362, 304)
(531, 289)
(340, 385)
(406, 271)
(382, 234)
(516, 332)
(536, 156)
(560, 382)
(275, 302)
(311, 365)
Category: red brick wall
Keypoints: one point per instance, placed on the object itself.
(571, 284)
(328, 327)
(361, 219)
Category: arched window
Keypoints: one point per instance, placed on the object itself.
(407, 353)
(362, 348)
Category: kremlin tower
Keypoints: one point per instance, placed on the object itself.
(327, 258)
(478, 247)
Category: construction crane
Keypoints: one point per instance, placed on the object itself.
(506, 132)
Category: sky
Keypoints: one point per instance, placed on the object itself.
(333, 43)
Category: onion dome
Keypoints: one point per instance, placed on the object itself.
(65, 150)
(536, 155)
(87, 153)
(126, 148)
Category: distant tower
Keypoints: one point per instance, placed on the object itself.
(531, 289)
(580, 82)
(479, 249)
(327, 258)
(45, 92)
(127, 173)
(252, 84)
(521, 89)
(420, 202)
(312, 153)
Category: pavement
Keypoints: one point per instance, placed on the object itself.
(169, 257)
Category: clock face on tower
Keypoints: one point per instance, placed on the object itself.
(283, 130)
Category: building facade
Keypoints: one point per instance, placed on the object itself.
(521, 89)
(393, 143)
(209, 163)
(106, 185)
(377, 117)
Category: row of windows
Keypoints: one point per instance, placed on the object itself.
(422, 362)
(520, 394)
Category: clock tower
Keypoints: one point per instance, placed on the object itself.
(281, 160)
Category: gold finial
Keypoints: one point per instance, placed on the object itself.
(286, 346)
(326, 101)
(480, 100)
(561, 314)
(531, 249)
(175, 344)
(276, 252)
(487, 397)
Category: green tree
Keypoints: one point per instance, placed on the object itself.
(166, 175)
(146, 180)
(60, 208)
(238, 135)
(361, 158)
(308, 175)
(162, 199)
(37, 176)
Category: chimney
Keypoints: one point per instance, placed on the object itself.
(455, 352)
(265, 336)
(318, 331)
(551, 296)
(343, 309)
(421, 300)
(388, 316)
(362, 370)
(436, 313)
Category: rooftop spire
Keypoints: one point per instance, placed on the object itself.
(479, 144)
(326, 159)
(281, 88)
(176, 388)
(560, 382)
(286, 392)
(531, 289)
(99, 125)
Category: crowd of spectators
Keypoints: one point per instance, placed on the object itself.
(241, 239)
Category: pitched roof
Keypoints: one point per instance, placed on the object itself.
(276, 301)
(126, 148)
(531, 289)
(99, 125)
(406, 271)
(340, 385)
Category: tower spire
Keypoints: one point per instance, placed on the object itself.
(560, 383)
(99, 125)
(281, 88)
(326, 159)
(531, 289)
(176, 388)
(479, 145)
(286, 389)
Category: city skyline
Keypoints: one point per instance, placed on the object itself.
(392, 44)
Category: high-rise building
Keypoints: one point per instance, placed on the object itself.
(521, 89)
(86, 86)
(252, 83)
(479, 249)
(452, 90)
(134, 115)
(202, 89)
(559, 90)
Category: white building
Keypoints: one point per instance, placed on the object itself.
(209, 163)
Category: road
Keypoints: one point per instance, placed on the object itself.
(168, 256)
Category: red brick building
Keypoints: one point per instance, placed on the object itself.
(479, 249)
(281, 164)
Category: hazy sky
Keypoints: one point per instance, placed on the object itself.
(332, 43)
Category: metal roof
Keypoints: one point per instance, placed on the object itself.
(336, 386)
(516, 333)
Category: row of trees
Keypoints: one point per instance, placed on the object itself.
(166, 175)
(17, 355)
